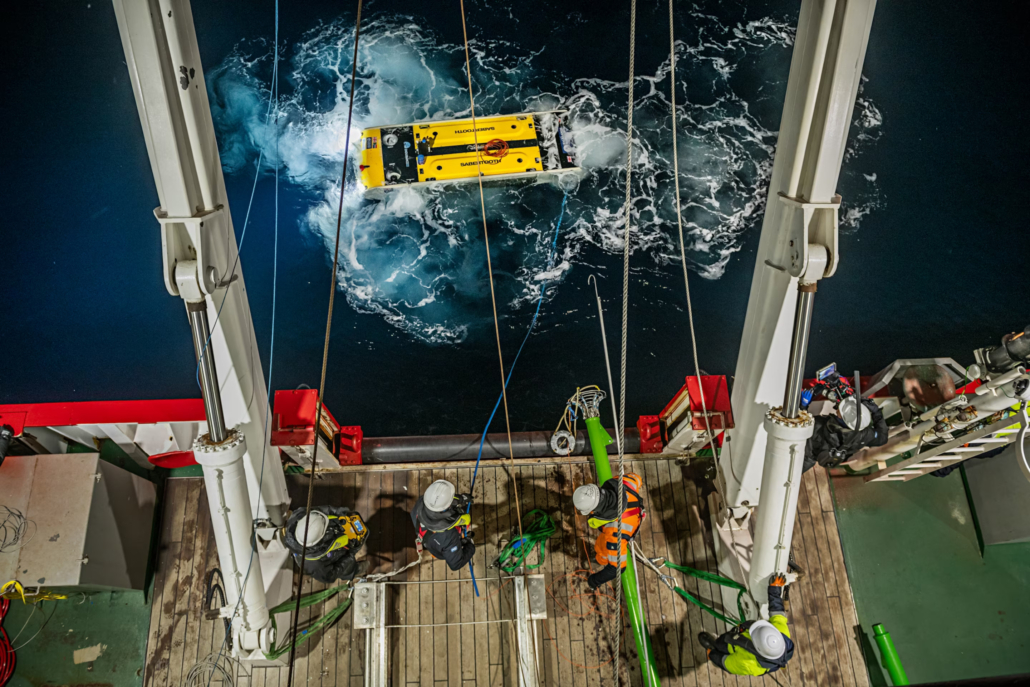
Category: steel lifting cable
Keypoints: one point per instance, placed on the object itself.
(328, 331)
(213, 662)
(490, 270)
(628, 210)
(679, 224)
(489, 264)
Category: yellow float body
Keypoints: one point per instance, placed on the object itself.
(507, 146)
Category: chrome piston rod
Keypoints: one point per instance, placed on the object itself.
(208, 374)
(798, 350)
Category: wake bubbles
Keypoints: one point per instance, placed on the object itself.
(417, 258)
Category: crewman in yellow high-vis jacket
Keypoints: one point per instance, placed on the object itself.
(758, 646)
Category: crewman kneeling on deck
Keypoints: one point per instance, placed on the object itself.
(758, 646)
(333, 536)
(601, 505)
(442, 521)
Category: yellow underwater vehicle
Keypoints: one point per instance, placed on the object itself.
(531, 144)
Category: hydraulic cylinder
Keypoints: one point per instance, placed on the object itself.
(232, 524)
(781, 481)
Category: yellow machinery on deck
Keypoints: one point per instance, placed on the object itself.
(501, 147)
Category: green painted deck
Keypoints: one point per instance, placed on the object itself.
(915, 565)
(110, 624)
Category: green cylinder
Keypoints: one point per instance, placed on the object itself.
(599, 441)
(889, 655)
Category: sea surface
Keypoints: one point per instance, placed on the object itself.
(933, 247)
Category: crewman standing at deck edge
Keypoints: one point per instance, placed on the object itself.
(756, 647)
(601, 505)
(441, 520)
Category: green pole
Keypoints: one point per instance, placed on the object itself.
(889, 655)
(599, 441)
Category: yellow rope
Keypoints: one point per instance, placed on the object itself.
(489, 265)
(14, 590)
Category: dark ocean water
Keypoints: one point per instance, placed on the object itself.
(934, 248)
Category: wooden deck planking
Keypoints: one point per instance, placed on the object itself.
(573, 650)
(159, 650)
(184, 585)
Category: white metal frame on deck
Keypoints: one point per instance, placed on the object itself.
(369, 613)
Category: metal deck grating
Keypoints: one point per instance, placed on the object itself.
(573, 649)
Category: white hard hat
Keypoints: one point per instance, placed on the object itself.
(439, 496)
(847, 411)
(586, 498)
(311, 528)
(767, 639)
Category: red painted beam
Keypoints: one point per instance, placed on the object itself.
(22, 415)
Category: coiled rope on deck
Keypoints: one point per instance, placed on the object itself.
(534, 535)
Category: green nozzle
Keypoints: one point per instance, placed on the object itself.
(889, 655)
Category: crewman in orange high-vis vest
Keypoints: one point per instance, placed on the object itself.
(602, 506)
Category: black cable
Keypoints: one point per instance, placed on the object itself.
(328, 330)
(13, 529)
(6, 437)
(210, 588)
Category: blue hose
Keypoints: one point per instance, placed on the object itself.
(532, 324)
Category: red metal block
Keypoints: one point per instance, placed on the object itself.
(650, 434)
(293, 417)
(348, 445)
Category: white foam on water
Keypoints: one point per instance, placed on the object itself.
(417, 257)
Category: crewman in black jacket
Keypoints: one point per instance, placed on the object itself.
(857, 423)
(441, 521)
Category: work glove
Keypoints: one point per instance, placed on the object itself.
(806, 398)
(776, 585)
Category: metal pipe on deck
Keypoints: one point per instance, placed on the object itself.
(465, 447)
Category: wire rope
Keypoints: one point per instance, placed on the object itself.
(489, 263)
(679, 225)
(620, 431)
(14, 529)
(532, 324)
(328, 330)
(273, 98)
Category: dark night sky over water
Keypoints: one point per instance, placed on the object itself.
(937, 267)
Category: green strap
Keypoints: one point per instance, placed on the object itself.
(534, 535)
(715, 579)
(323, 621)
